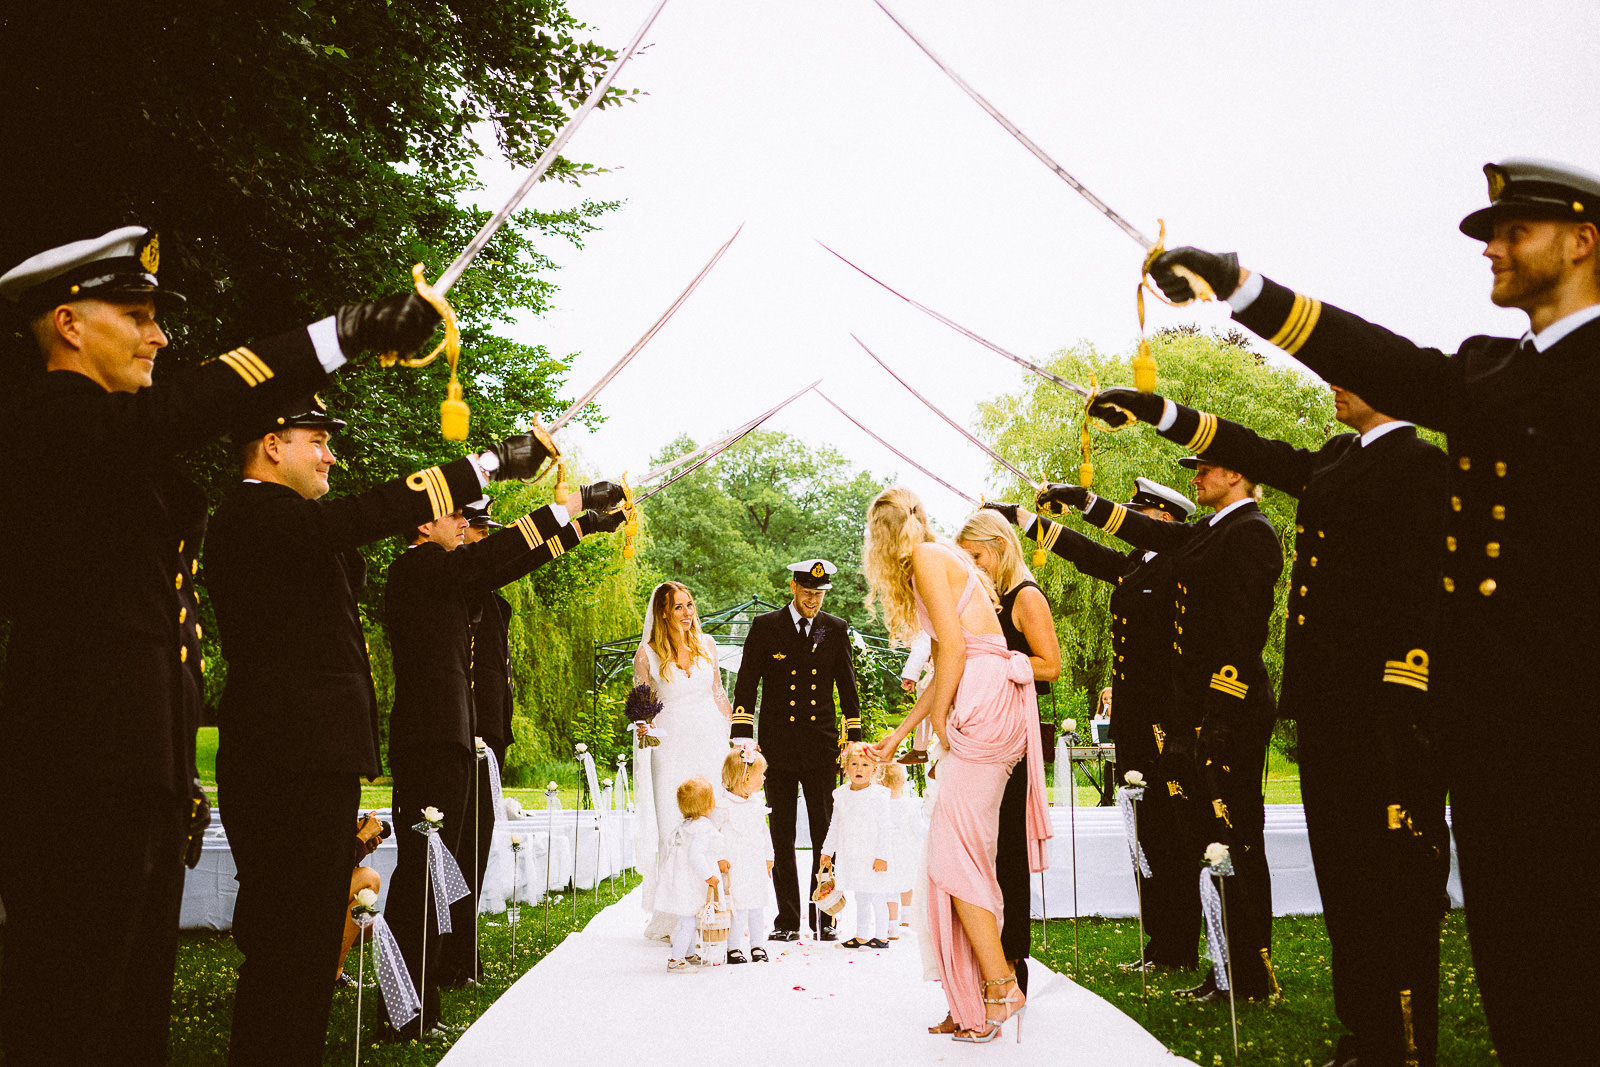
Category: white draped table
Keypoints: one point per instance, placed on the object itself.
(574, 847)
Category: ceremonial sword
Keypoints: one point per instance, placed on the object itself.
(578, 405)
(862, 427)
(454, 271)
(1070, 386)
(717, 447)
(954, 425)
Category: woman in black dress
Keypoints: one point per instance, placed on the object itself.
(1026, 621)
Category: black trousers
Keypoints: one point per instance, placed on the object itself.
(1171, 895)
(1528, 872)
(443, 781)
(292, 837)
(460, 959)
(1247, 895)
(88, 968)
(1011, 869)
(783, 790)
(1383, 891)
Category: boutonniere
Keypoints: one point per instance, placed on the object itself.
(818, 632)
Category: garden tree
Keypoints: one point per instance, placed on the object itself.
(730, 529)
(295, 155)
(1038, 430)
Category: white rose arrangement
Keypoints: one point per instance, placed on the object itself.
(365, 907)
(516, 842)
(433, 815)
(1134, 778)
(1216, 854)
(477, 743)
(552, 788)
(582, 748)
(1069, 725)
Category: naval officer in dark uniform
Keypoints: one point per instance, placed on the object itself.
(298, 725)
(1224, 570)
(1518, 589)
(432, 587)
(1147, 711)
(102, 671)
(1363, 595)
(798, 656)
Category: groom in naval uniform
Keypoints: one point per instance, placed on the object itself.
(797, 655)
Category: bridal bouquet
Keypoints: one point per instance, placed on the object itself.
(643, 707)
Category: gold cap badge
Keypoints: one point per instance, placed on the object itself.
(150, 254)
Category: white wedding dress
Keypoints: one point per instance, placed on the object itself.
(693, 726)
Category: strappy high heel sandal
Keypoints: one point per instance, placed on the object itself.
(975, 1038)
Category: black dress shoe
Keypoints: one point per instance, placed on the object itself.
(828, 934)
(877, 942)
(784, 935)
(735, 956)
(1204, 989)
(758, 955)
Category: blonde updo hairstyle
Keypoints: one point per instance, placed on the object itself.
(987, 527)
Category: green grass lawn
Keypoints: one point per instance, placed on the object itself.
(1298, 1030)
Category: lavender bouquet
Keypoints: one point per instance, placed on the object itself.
(642, 707)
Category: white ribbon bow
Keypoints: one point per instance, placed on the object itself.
(400, 998)
(1211, 908)
(1127, 795)
(448, 884)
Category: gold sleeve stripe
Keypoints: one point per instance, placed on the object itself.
(247, 365)
(1296, 329)
(555, 546)
(432, 482)
(1205, 433)
(529, 532)
(1412, 671)
(1052, 534)
(1227, 681)
(1114, 523)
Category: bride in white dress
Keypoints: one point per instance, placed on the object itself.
(679, 663)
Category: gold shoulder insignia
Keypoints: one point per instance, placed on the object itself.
(1221, 811)
(1412, 671)
(1227, 681)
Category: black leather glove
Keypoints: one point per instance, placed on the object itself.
(600, 496)
(520, 457)
(1058, 496)
(1007, 511)
(1221, 272)
(591, 522)
(199, 819)
(1113, 406)
(401, 323)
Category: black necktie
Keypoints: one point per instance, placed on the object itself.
(805, 627)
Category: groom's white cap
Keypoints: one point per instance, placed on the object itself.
(813, 573)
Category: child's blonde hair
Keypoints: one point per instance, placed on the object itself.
(892, 774)
(694, 798)
(856, 748)
(734, 768)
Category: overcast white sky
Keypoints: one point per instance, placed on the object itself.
(1333, 145)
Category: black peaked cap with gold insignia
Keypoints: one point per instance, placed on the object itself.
(1538, 189)
(118, 264)
(305, 413)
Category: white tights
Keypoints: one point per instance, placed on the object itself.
(872, 914)
(683, 936)
(745, 933)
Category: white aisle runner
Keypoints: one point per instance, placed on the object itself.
(604, 996)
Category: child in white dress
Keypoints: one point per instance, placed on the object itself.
(861, 839)
(741, 817)
(910, 832)
(687, 866)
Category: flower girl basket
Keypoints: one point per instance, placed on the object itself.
(828, 897)
(714, 920)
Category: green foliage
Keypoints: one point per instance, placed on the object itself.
(1039, 430)
(729, 529)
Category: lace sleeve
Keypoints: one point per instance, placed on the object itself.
(723, 704)
(641, 668)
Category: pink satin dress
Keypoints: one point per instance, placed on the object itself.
(994, 722)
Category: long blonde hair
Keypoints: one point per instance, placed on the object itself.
(666, 640)
(988, 528)
(896, 524)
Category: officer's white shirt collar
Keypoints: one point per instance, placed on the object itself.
(1235, 506)
(1559, 329)
(795, 616)
(1378, 431)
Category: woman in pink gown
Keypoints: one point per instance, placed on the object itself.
(984, 710)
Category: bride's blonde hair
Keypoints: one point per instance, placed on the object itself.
(896, 524)
(666, 639)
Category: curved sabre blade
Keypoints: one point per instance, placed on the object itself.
(863, 428)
